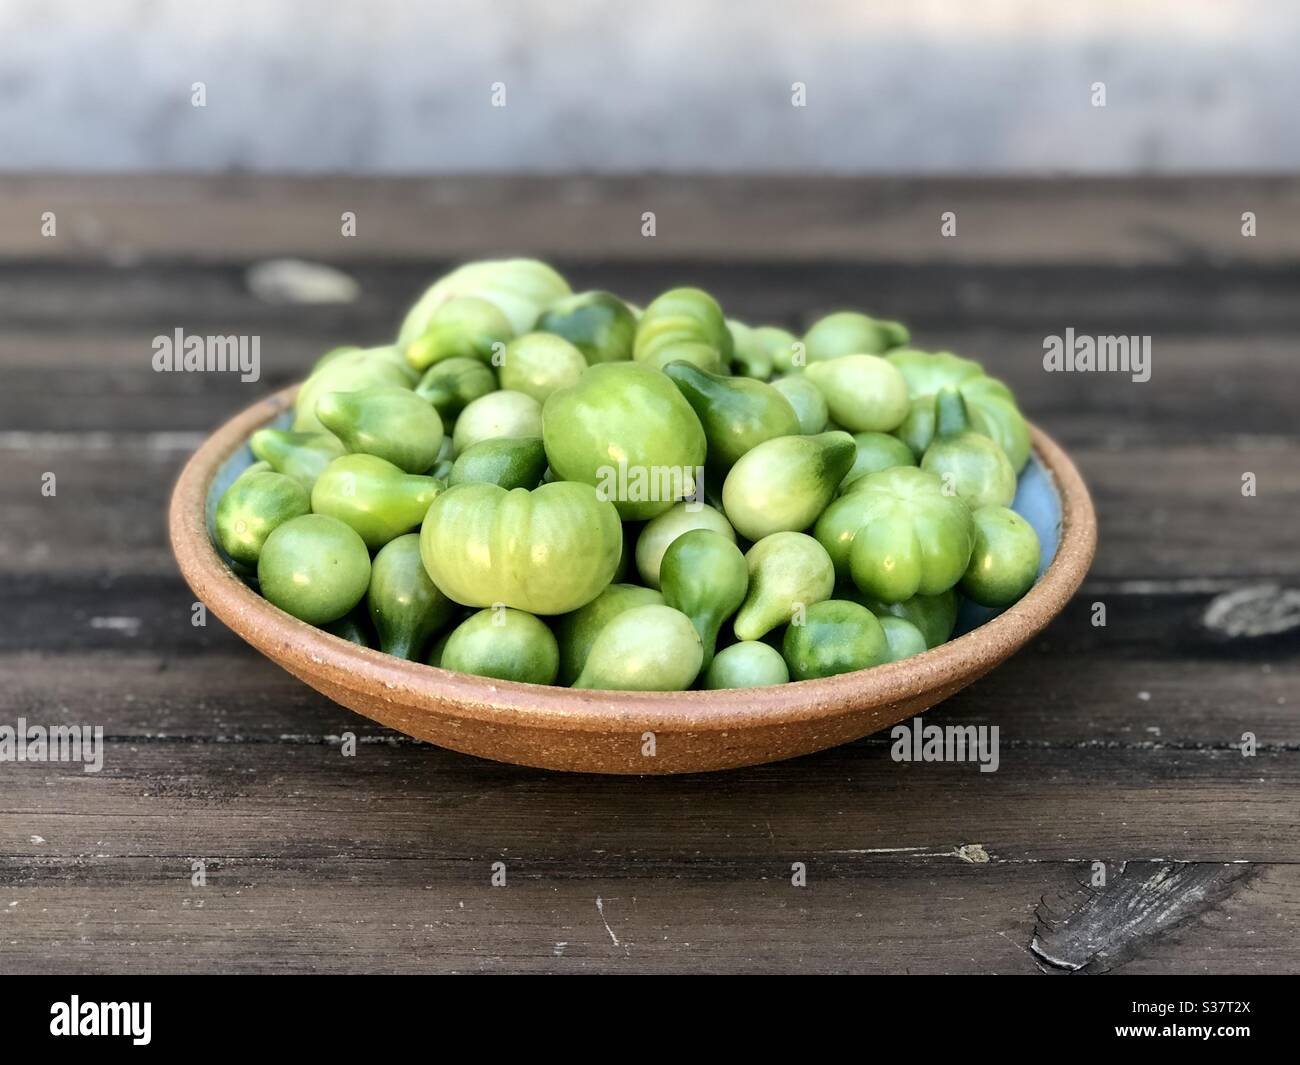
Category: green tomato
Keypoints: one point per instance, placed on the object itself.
(933, 615)
(748, 356)
(876, 452)
(314, 567)
(658, 533)
(990, 403)
(548, 551)
(737, 414)
(354, 626)
(788, 572)
(851, 333)
(808, 402)
(648, 648)
(836, 636)
(451, 385)
(863, 392)
(373, 497)
(257, 503)
(627, 430)
(1004, 564)
(350, 371)
(749, 664)
(463, 328)
(898, 534)
(520, 288)
(392, 423)
(705, 576)
(302, 456)
(503, 644)
(406, 608)
(599, 325)
(577, 631)
(904, 638)
(498, 414)
(678, 318)
(787, 351)
(969, 463)
(511, 462)
(538, 363)
(783, 484)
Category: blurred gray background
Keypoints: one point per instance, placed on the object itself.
(385, 86)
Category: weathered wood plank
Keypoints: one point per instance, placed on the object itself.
(406, 801)
(346, 914)
(1150, 219)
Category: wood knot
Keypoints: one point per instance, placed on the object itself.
(1260, 610)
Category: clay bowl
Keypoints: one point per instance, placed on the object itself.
(605, 732)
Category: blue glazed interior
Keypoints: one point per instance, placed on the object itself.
(1037, 501)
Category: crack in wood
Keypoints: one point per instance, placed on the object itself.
(1095, 930)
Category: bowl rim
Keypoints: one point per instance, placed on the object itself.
(512, 704)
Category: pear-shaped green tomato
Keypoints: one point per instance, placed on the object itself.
(749, 664)
(256, 504)
(851, 333)
(648, 649)
(536, 364)
(864, 392)
(626, 430)
(302, 456)
(406, 608)
(521, 288)
(463, 328)
(576, 632)
(495, 415)
(659, 532)
(876, 452)
(902, 534)
(783, 484)
(788, 572)
(679, 317)
(508, 461)
(314, 567)
(705, 576)
(392, 423)
(598, 324)
(374, 497)
(350, 371)
(904, 638)
(836, 636)
(1004, 563)
(504, 644)
(808, 402)
(933, 615)
(969, 464)
(547, 551)
(451, 385)
(737, 414)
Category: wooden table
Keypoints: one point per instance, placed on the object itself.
(1120, 745)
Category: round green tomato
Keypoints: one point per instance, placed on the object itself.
(314, 567)
(749, 664)
(808, 402)
(494, 415)
(851, 333)
(658, 533)
(599, 325)
(863, 392)
(504, 644)
(876, 452)
(256, 504)
(547, 551)
(510, 462)
(648, 648)
(536, 364)
(836, 636)
(1004, 563)
(625, 429)
(904, 638)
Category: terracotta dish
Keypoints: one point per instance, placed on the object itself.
(607, 732)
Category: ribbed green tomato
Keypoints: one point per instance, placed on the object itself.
(545, 551)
